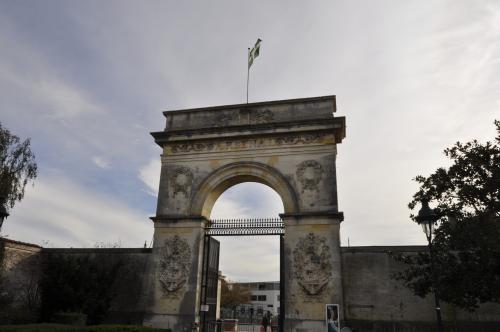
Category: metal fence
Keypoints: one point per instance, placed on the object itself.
(245, 227)
(233, 325)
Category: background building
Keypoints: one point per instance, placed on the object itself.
(265, 297)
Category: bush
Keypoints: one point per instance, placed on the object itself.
(70, 318)
(124, 328)
(80, 283)
(71, 328)
(41, 328)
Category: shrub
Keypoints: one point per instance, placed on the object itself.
(70, 328)
(70, 318)
(80, 283)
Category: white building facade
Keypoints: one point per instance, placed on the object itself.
(265, 297)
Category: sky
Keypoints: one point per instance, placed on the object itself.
(88, 80)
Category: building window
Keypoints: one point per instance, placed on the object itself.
(270, 306)
(261, 298)
(254, 297)
(262, 286)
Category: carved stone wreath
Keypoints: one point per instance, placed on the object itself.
(261, 116)
(311, 263)
(225, 119)
(309, 174)
(174, 264)
(181, 180)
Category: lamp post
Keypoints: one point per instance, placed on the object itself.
(427, 218)
(3, 211)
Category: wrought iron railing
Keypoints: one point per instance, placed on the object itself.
(226, 325)
(237, 227)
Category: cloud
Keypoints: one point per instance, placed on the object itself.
(28, 73)
(249, 258)
(87, 84)
(150, 175)
(66, 214)
(226, 208)
(101, 162)
(63, 100)
(248, 200)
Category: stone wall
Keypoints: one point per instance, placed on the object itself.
(19, 276)
(21, 271)
(373, 301)
(129, 288)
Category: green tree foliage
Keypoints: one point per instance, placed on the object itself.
(17, 166)
(466, 243)
(78, 283)
(234, 294)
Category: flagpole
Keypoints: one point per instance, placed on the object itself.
(248, 71)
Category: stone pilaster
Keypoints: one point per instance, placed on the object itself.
(313, 276)
(176, 273)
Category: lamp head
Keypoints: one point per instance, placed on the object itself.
(426, 215)
(426, 218)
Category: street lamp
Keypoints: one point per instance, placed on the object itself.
(427, 218)
(3, 211)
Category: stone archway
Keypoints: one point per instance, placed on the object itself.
(288, 145)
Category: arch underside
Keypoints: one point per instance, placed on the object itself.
(229, 175)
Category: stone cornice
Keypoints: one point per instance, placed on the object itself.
(314, 214)
(332, 125)
(257, 104)
(383, 249)
(175, 218)
(126, 251)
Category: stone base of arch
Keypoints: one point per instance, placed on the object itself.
(312, 263)
(175, 273)
(313, 269)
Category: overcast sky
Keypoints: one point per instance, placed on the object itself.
(87, 81)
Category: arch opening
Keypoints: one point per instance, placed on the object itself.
(253, 190)
(249, 258)
(233, 174)
(247, 200)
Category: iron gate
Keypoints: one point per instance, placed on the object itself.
(234, 227)
(210, 281)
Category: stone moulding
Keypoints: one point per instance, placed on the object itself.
(311, 263)
(174, 264)
(250, 143)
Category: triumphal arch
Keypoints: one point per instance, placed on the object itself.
(288, 145)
